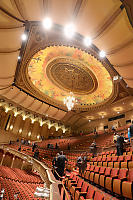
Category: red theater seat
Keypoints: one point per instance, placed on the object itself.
(76, 186)
(96, 170)
(127, 186)
(117, 183)
(97, 176)
(90, 193)
(102, 177)
(82, 191)
(108, 180)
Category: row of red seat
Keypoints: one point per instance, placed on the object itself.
(116, 180)
(80, 189)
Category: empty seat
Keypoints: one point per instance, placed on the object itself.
(90, 193)
(75, 186)
(91, 178)
(82, 191)
(98, 195)
(117, 183)
(102, 177)
(127, 186)
(108, 180)
(97, 176)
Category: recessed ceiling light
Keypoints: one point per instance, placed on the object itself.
(102, 54)
(89, 120)
(47, 23)
(87, 41)
(102, 116)
(118, 112)
(19, 57)
(69, 30)
(24, 37)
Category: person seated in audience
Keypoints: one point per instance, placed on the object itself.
(68, 147)
(61, 163)
(55, 166)
(34, 145)
(131, 134)
(79, 163)
(93, 148)
(119, 144)
(36, 154)
(56, 146)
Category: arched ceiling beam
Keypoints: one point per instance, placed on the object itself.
(120, 47)
(77, 8)
(8, 51)
(11, 15)
(125, 64)
(18, 6)
(108, 22)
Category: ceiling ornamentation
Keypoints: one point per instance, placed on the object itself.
(51, 68)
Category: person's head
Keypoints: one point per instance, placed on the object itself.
(57, 154)
(61, 153)
(94, 140)
(122, 134)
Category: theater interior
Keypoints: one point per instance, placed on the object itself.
(66, 81)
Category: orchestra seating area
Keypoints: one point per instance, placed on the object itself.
(16, 181)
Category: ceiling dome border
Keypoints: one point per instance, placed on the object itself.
(23, 81)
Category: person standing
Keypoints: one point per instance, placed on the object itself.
(84, 163)
(131, 134)
(119, 144)
(61, 163)
(79, 163)
(55, 166)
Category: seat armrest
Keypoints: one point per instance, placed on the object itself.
(107, 175)
(113, 177)
(82, 193)
(74, 184)
(123, 179)
(101, 173)
(77, 188)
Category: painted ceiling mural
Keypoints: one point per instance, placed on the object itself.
(57, 70)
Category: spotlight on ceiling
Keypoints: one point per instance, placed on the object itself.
(118, 112)
(24, 37)
(87, 41)
(89, 120)
(102, 54)
(19, 57)
(47, 23)
(69, 30)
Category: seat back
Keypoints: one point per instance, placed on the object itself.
(90, 192)
(107, 171)
(114, 158)
(130, 175)
(128, 157)
(92, 168)
(88, 167)
(80, 182)
(114, 172)
(84, 187)
(98, 195)
(102, 170)
(120, 158)
(97, 169)
(122, 173)
(104, 159)
(109, 159)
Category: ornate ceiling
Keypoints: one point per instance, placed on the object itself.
(57, 70)
(51, 65)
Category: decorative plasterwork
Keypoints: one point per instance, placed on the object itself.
(39, 40)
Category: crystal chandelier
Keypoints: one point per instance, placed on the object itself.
(69, 101)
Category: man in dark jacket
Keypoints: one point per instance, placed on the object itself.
(119, 144)
(131, 133)
(61, 163)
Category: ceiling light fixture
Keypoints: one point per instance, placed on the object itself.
(69, 101)
(118, 112)
(102, 54)
(87, 41)
(89, 120)
(19, 57)
(47, 23)
(69, 30)
(24, 37)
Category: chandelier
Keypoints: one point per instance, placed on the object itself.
(69, 101)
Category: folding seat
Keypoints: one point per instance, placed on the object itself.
(72, 181)
(98, 195)
(76, 186)
(129, 153)
(97, 176)
(130, 164)
(82, 191)
(99, 159)
(96, 170)
(90, 193)
(102, 177)
(111, 164)
(68, 177)
(109, 180)
(104, 159)
(117, 164)
(127, 186)
(87, 169)
(117, 183)
(88, 172)
(95, 163)
(109, 159)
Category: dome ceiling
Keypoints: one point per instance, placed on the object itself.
(57, 70)
(109, 24)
